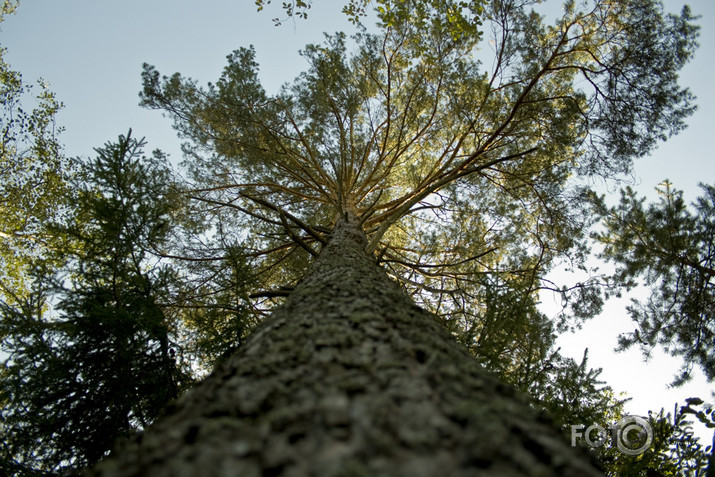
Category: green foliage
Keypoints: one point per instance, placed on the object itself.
(292, 9)
(460, 19)
(633, 101)
(94, 356)
(674, 451)
(455, 172)
(465, 179)
(33, 174)
(670, 247)
(218, 315)
(515, 341)
(573, 393)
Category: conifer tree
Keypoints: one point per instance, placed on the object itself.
(669, 246)
(92, 353)
(405, 154)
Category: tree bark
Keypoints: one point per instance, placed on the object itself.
(348, 378)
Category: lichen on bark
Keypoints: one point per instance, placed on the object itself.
(348, 378)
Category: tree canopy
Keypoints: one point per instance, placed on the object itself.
(458, 18)
(92, 353)
(671, 248)
(32, 172)
(460, 176)
(469, 177)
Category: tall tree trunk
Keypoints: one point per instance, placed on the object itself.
(349, 378)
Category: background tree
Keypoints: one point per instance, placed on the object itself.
(33, 174)
(674, 449)
(92, 356)
(217, 313)
(515, 341)
(671, 248)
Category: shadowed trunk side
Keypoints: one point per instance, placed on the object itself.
(348, 377)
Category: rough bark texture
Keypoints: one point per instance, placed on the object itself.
(348, 378)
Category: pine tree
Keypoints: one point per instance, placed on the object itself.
(348, 378)
(405, 155)
(670, 247)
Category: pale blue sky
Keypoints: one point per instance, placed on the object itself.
(91, 54)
